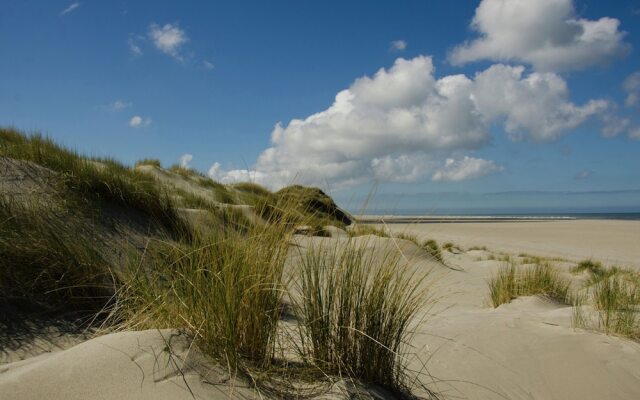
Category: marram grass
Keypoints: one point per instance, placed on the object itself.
(614, 294)
(514, 281)
(355, 310)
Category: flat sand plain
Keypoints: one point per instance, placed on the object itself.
(609, 241)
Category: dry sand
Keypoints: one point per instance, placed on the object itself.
(527, 349)
(609, 241)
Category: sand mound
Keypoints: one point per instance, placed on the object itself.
(128, 365)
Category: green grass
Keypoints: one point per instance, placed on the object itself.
(153, 162)
(225, 290)
(49, 258)
(95, 179)
(362, 230)
(355, 310)
(431, 246)
(593, 267)
(614, 294)
(185, 171)
(513, 281)
(250, 187)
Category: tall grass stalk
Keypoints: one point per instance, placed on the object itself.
(225, 289)
(95, 179)
(356, 308)
(511, 282)
(48, 259)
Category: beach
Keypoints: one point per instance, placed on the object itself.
(612, 242)
(463, 347)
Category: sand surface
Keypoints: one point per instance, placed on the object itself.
(612, 242)
(527, 349)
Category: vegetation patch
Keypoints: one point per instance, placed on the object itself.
(91, 180)
(49, 258)
(614, 294)
(356, 310)
(152, 162)
(362, 230)
(512, 281)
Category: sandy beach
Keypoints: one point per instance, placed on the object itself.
(527, 349)
(609, 241)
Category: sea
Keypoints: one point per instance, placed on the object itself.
(471, 216)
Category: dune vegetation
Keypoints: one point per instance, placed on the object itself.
(614, 294)
(115, 240)
(513, 281)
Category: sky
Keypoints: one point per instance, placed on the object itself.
(414, 106)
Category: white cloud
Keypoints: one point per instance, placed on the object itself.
(119, 105)
(208, 65)
(613, 125)
(168, 39)
(464, 169)
(400, 124)
(634, 133)
(631, 86)
(133, 47)
(536, 104)
(70, 8)
(544, 33)
(185, 159)
(139, 122)
(398, 45)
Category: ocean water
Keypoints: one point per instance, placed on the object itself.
(626, 216)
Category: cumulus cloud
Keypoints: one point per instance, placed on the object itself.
(631, 86)
(185, 159)
(544, 33)
(139, 122)
(133, 47)
(401, 123)
(634, 133)
(466, 168)
(168, 39)
(535, 105)
(72, 7)
(398, 45)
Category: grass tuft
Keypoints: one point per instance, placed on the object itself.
(225, 289)
(614, 293)
(431, 246)
(153, 162)
(355, 312)
(511, 282)
(95, 179)
(362, 230)
(49, 260)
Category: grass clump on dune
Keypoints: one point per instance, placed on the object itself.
(593, 267)
(431, 246)
(355, 311)
(511, 282)
(251, 187)
(614, 294)
(153, 162)
(362, 230)
(48, 260)
(225, 289)
(94, 179)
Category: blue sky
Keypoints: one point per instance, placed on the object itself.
(532, 107)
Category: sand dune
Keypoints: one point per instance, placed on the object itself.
(527, 349)
(126, 365)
